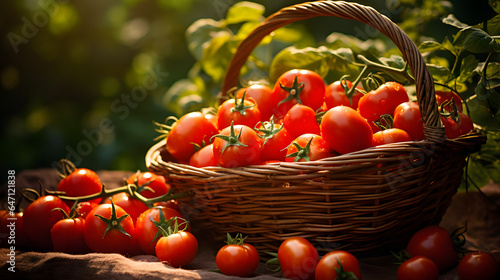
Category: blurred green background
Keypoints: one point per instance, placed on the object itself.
(85, 79)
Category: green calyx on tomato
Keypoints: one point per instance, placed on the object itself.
(268, 130)
(165, 226)
(232, 139)
(240, 107)
(114, 222)
(237, 240)
(342, 274)
(294, 91)
(302, 152)
(385, 122)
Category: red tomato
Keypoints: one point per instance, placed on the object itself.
(132, 206)
(237, 258)
(67, 236)
(262, 95)
(83, 208)
(328, 266)
(391, 135)
(418, 268)
(478, 265)
(81, 182)
(174, 204)
(301, 119)
(381, 101)
(308, 147)
(12, 230)
(435, 243)
(147, 233)
(298, 86)
(177, 249)
(335, 96)
(237, 146)
(276, 139)
(345, 131)
(408, 118)
(203, 157)
(39, 218)
(453, 128)
(192, 128)
(109, 229)
(149, 180)
(442, 96)
(238, 111)
(298, 258)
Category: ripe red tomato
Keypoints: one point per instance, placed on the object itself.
(81, 182)
(203, 157)
(177, 249)
(442, 96)
(237, 146)
(301, 119)
(345, 131)
(435, 243)
(109, 229)
(238, 111)
(145, 180)
(298, 258)
(132, 206)
(335, 96)
(237, 258)
(192, 128)
(298, 86)
(147, 233)
(39, 218)
(408, 118)
(391, 135)
(275, 140)
(329, 268)
(478, 265)
(83, 208)
(457, 127)
(381, 101)
(418, 268)
(262, 95)
(12, 230)
(67, 236)
(307, 147)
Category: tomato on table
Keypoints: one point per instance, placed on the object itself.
(237, 258)
(237, 146)
(177, 247)
(338, 265)
(132, 206)
(418, 268)
(298, 258)
(68, 235)
(478, 265)
(150, 185)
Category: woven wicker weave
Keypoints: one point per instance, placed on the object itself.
(359, 201)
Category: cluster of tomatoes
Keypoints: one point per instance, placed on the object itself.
(303, 119)
(119, 223)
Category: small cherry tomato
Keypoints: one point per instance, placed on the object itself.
(81, 182)
(418, 268)
(176, 248)
(203, 157)
(298, 258)
(262, 95)
(301, 119)
(150, 185)
(68, 236)
(237, 258)
(478, 265)
(338, 265)
(237, 146)
(408, 118)
(335, 96)
(308, 147)
(443, 96)
(238, 111)
(275, 140)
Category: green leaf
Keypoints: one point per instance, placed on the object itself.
(454, 49)
(339, 40)
(182, 97)
(200, 33)
(495, 4)
(453, 21)
(476, 41)
(395, 61)
(469, 64)
(216, 57)
(492, 71)
(440, 73)
(430, 46)
(245, 11)
(493, 26)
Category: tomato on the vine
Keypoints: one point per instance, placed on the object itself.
(132, 206)
(408, 118)
(236, 146)
(238, 111)
(418, 268)
(149, 184)
(345, 131)
(190, 130)
(335, 95)
(435, 243)
(177, 247)
(301, 119)
(381, 101)
(83, 208)
(147, 233)
(67, 235)
(308, 147)
(478, 265)
(39, 219)
(262, 95)
(237, 258)
(338, 265)
(298, 258)
(109, 229)
(275, 140)
(298, 86)
(81, 182)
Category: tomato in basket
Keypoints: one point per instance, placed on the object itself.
(335, 95)
(236, 111)
(236, 146)
(408, 118)
(308, 147)
(262, 95)
(301, 119)
(276, 139)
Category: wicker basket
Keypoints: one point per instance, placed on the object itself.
(360, 201)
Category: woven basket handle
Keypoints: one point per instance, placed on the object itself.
(424, 83)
